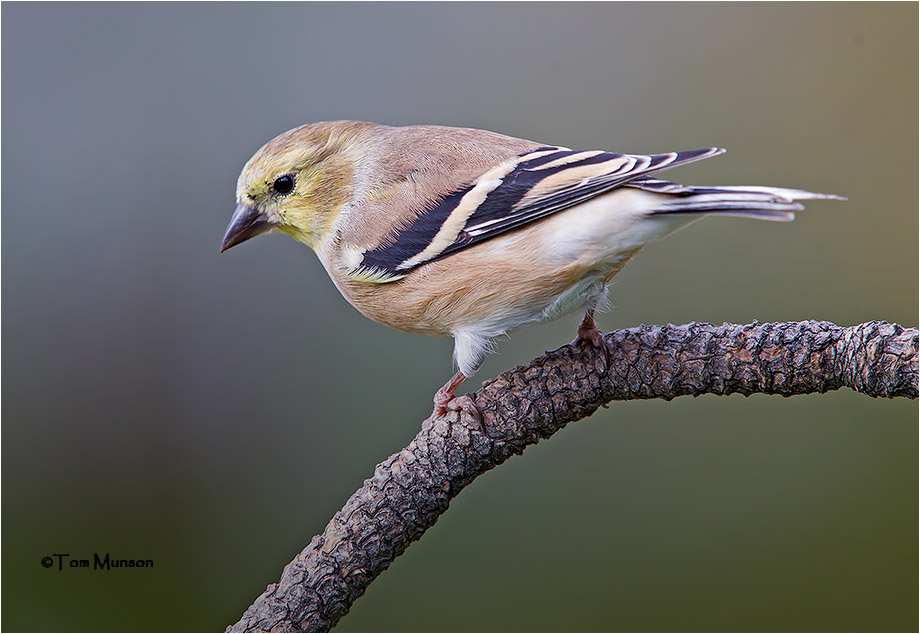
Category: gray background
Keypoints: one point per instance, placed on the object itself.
(211, 412)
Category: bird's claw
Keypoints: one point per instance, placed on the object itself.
(466, 404)
(590, 335)
(444, 403)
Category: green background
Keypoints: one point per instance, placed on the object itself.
(211, 412)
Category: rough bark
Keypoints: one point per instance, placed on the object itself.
(411, 489)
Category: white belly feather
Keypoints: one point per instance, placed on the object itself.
(602, 233)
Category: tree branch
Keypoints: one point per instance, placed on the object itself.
(411, 489)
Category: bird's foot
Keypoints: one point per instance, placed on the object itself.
(466, 404)
(445, 400)
(590, 335)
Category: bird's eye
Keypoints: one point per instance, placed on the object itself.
(283, 184)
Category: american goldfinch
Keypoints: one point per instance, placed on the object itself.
(454, 232)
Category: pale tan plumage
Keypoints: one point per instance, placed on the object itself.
(453, 232)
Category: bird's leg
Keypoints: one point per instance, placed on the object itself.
(444, 396)
(590, 335)
(588, 332)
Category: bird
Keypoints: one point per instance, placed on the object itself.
(471, 234)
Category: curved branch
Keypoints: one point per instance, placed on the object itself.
(411, 489)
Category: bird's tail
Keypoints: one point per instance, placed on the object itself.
(763, 203)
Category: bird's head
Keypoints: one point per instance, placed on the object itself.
(297, 183)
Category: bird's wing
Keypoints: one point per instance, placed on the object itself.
(516, 192)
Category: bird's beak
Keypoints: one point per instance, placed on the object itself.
(246, 223)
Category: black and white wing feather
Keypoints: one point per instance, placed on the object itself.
(517, 192)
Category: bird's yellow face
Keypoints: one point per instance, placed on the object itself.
(297, 183)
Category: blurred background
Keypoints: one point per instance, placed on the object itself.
(211, 412)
